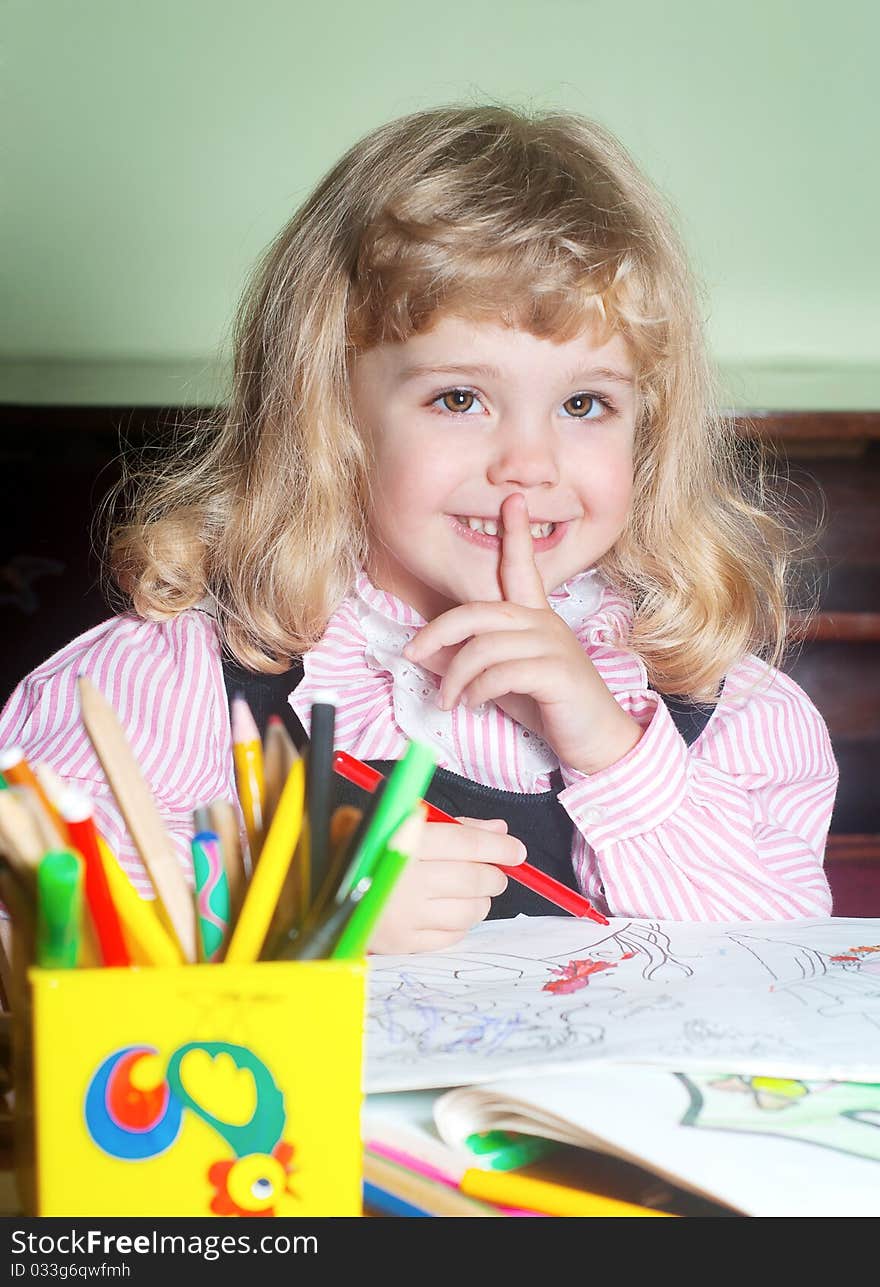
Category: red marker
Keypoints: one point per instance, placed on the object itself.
(76, 810)
(361, 775)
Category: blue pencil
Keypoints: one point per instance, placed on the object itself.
(388, 1203)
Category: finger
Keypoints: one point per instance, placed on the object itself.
(485, 651)
(467, 880)
(451, 842)
(455, 913)
(488, 824)
(452, 628)
(517, 675)
(387, 940)
(520, 579)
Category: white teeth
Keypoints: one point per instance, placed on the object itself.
(489, 527)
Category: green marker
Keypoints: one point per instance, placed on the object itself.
(506, 1151)
(59, 909)
(352, 942)
(404, 788)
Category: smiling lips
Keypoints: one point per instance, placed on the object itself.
(484, 532)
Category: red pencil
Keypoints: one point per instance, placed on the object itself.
(76, 810)
(554, 891)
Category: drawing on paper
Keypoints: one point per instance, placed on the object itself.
(778, 998)
(843, 1116)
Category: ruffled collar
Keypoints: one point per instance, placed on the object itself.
(574, 601)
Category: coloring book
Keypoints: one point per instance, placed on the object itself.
(550, 995)
(764, 1146)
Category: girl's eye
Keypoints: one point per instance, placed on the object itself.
(461, 401)
(585, 406)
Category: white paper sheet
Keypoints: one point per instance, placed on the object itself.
(542, 994)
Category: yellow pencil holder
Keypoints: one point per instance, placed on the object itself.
(197, 1090)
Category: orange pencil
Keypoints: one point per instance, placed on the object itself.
(247, 753)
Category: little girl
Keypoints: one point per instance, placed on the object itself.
(471, 475)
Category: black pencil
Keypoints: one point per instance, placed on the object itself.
(318, 944)
(319, 791)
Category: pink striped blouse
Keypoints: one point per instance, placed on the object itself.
(730, 828)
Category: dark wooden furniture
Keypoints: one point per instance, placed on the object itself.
(832, 460)
(57, 463)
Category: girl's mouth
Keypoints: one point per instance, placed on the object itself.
(485, 532)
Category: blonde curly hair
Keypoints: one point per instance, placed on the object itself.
(541, 221)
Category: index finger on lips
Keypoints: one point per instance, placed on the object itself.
(520, 579)
(454, 842)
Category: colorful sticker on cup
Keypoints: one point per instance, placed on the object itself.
(134, 1113)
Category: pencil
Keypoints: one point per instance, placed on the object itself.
(223, 820)
(368, 779)
(319, 787)
(148, 942)
(294, 897)
(18, 772)
(19, 836)
(511, 1189)
(265, 885)
(279, 754)
(317, 943)
(427, 1195)
(141, 814)
(50, 827)
(342, 826)
(247, 754)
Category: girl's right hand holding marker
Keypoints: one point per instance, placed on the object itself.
(447, 886)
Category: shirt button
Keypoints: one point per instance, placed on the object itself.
(594, 813)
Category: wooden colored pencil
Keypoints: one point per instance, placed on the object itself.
(148, 942)
(141, 814)
(18, 772)
(247, 754)
(224, 822)
(514, 1189)
(50, 827)
(249, 932)
(428, 1195)
(20, 838)
(279, 754)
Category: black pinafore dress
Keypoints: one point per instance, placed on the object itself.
(535, 818)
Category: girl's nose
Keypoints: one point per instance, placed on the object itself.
(523, 456)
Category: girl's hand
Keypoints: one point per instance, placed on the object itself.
(523, 656)
(447, 885)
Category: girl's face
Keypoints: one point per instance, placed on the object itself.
(462, 416)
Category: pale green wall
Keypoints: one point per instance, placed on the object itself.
(155, 146)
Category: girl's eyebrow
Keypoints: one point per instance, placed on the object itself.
(581, 375)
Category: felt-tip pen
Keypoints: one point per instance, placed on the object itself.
(361, 775)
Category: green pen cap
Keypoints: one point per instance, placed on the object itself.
(59, 909)
(405, 787)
